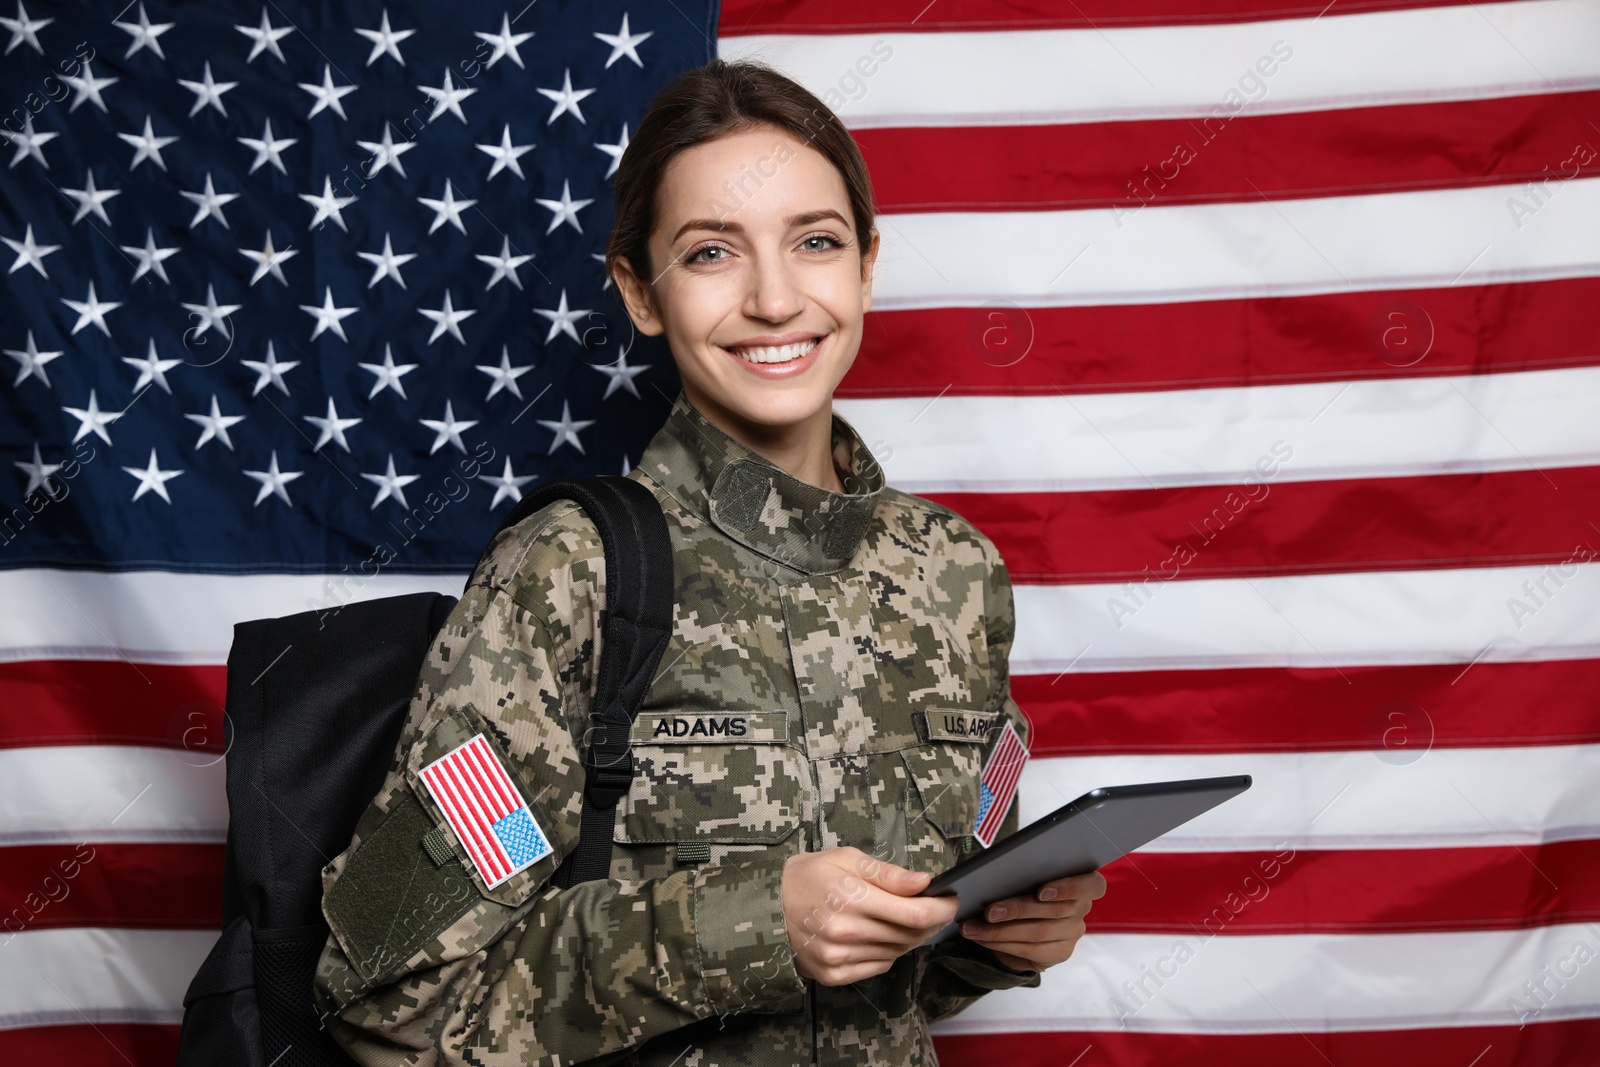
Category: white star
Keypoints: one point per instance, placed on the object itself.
(389, 484)
(506, 154)
(624, 44)
(39, 473)
(24, 29)
(214, 425)
(506, 484)
(566, 429)
(328, 317)
(447, 320)
(505, 375)
(147, 146)
(327, 94)
(448, 429)
(28, 253)
(208, 204)
(211, 314)
(388, 375)
(384, 40)
(505, 43)
(599, 257)
(28, 142)
(332, 427)
(561, 320)
(615, 150)
(328, 206)
(269, 260)
(446, 98)
(266, 38)
(270, 371)
(31, 361)
(90, 199)
(566, 209)
(566, 99)
(92, 420)
(268, 149)
(152, 368)
(620, 374)
(274, 481)
(208, 92)
(150, 257)
(447, 210)
(505, 264)
(386, 153)
(386, 264)
(90, 309)
(87, 87)
(152, 477)
(144, 34)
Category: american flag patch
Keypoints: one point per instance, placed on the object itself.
(489, 816)
(998, 786)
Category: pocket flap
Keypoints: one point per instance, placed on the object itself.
(723, 791)
(946, 776)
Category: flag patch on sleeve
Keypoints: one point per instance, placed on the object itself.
(487, 813)
(998, 785)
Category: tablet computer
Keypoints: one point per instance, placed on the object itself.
(1077, 838)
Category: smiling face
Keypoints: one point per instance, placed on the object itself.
(759, 283)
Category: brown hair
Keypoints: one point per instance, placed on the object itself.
(713, 101)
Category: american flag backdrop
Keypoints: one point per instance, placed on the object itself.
(1262, 340)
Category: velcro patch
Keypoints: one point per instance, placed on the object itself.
(958, 725)
(998, 784)
(485, 809)
(718, 728)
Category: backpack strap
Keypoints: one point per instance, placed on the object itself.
(640, 593)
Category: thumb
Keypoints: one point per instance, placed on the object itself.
(893, 878)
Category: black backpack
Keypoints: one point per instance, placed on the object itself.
(315, 705)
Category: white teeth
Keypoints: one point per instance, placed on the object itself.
(777, 354)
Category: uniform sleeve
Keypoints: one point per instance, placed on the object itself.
(427, 963)
(960, 971)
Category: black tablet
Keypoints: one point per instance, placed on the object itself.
(1077, 838)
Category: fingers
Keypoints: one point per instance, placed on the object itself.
(1091, 886)
(1013, 908)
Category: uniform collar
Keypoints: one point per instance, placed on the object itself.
(757, 503)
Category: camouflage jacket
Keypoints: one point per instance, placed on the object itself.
(836, 675)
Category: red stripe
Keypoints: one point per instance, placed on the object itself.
(476, 791)
(97, 1045)
(488, 766)
(1266, 341)
(474, 806)
(1257, 525)
(1129, 165)
(1539, 1044)
(145, 885)
(745, 17)
(65, 702)
(1271, 709)
(1350, 892)
(460, 819)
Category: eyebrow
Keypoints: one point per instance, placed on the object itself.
(803, 219)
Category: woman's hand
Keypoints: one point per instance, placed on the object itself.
(850, 916)
(1032, 933)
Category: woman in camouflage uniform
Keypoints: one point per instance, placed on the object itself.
(810, 749)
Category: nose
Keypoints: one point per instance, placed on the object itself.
(774, 293)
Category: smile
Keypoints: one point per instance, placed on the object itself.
(776, 353)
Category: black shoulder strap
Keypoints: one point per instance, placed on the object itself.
(635, 626)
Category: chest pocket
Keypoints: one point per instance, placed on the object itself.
(723, 776)
(944, 771)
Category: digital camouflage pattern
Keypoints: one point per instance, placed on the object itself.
(836, 675)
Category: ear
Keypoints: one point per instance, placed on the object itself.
(638, 299)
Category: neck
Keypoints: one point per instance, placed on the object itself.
(803, 449)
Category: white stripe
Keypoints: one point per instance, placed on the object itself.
(1461, 616)
(1019, 77)
(1449, 798)
(97, 975)
(168, 617)
(1310, 983)
(102, 793)
(1368, 428)
(1249, 248)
